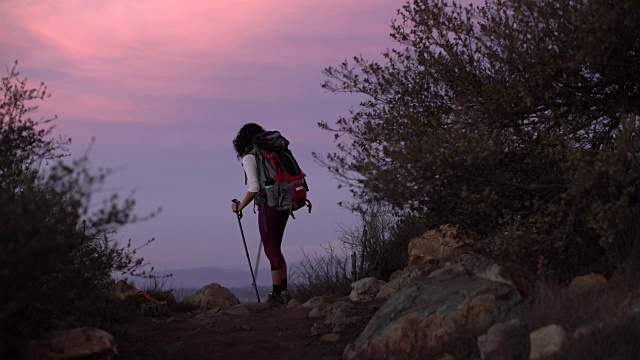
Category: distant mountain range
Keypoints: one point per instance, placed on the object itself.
(229, 278)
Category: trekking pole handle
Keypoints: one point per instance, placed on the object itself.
(239, 212)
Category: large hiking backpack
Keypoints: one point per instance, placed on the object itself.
(282, 183)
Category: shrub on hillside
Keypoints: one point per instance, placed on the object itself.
(515, 120)
(56, 249)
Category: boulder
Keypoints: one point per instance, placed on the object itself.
(365, 290)
(505, 341)
(213, 296)
(477, 266)
(588, 282)
(546, 341)
(428, 315)
(435, 245)
(402, 278)
(80, 343)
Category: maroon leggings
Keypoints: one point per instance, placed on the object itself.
(272, 234)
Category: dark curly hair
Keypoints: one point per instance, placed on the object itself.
(243, 140)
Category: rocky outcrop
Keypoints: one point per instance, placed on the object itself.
(365, 290)
(213, 296)
(427, 315)
(478, 266)
(434, 245)
(81, 343)
(402, 278)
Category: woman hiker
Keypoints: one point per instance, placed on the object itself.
(276, 220)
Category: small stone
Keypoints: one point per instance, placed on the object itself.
(318, 311)
(316, 301)
(318, 329)
(330, 338)
(238, 310)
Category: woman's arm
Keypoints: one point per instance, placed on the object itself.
(246, 201)
(251, 169)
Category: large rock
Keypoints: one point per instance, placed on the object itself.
(588, 282)
(213, 296)
(81, 343)
(365, 290)
(505, 341)
(426, 316)
(402, 278)
(441, 244)
(546, 341)
(477, 266)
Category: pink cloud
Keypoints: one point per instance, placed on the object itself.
(113, 58)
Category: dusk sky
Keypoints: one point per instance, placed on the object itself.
(164, 86)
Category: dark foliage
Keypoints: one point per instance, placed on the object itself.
(56, 248)
(516, 121)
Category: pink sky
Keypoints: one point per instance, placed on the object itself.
(164, 85)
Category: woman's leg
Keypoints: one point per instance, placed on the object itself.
(282, 274)
(272, 241)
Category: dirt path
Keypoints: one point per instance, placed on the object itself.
(279, 334)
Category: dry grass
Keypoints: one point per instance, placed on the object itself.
(321, 275)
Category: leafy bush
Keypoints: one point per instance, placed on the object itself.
(56, 249)
(516, 121)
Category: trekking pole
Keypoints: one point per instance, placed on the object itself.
(239, 213)
(258, 258)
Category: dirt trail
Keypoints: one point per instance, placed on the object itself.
(279, 334)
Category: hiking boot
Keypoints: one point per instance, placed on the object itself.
(275, 300)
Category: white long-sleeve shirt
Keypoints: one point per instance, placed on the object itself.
(251, 169)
